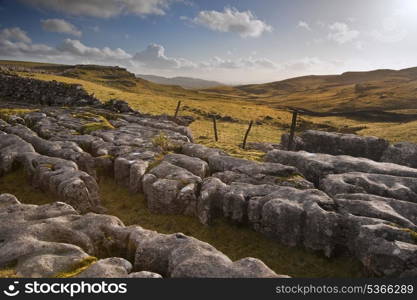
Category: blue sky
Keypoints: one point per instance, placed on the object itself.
(230, 41)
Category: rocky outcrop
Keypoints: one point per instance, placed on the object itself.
(63, 149)
(172, 186)
(401, 153)
(316, 166)
(381, 233)
(402, 188)
(54, 175)
(277, 211)
(339, 144)
(11, 146)
(54, 240)
(117, 105)
(264, 147)
(402, 213)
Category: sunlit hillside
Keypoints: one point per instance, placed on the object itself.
(380, 89)
(266, 104)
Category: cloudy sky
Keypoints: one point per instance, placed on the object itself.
(226, 40)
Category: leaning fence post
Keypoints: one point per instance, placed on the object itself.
(247, 134)
(178, 109)
(292, 130)
(215, 129)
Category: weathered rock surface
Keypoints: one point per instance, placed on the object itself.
(11, 146)
(194, 165)
(316, 166)
(200, 151)
(402, 188)
(232, 201)
(264, 147)
(62, 178)
(401, 153)
(63, 149)
(402, 213)
(119, 106)
(380, 232)
(122, 147)
(339, 144)
(107, 268)
(230, 169)
(57, 176)
(177, 255)
(386, 250)
(54, 240)
(170, 189)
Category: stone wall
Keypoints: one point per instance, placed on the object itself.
(52, 93)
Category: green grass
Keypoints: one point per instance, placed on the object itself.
(77, 267)
(5, 113)
(96, 122)
(8, 273)
(16, 183)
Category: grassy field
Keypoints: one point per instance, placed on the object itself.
(154, 102)
(391, 91)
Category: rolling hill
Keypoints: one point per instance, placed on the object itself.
(184, 82)
(381, 103)
(350, 91)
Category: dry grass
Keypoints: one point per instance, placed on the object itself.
(149, 100)
(77, 267)
(245, 104)
(5, 113)
(15, 183)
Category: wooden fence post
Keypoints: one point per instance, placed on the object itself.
(215, 129)
(292, 130)
(178, 109)
(246, 135)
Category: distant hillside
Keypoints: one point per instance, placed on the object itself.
(185, 82)
(381, 103)
(350, 91)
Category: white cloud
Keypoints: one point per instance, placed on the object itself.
(14, 34)
(240, 63)
(359, 45)
(231, 20)
(60, 26)
(75, 47)
(15, 42)
(391, 31)
(154, 57)
(303, 64)
(302, 24)
(341, 33)
(103, 8)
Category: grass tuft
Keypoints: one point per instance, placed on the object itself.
(77, 268)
